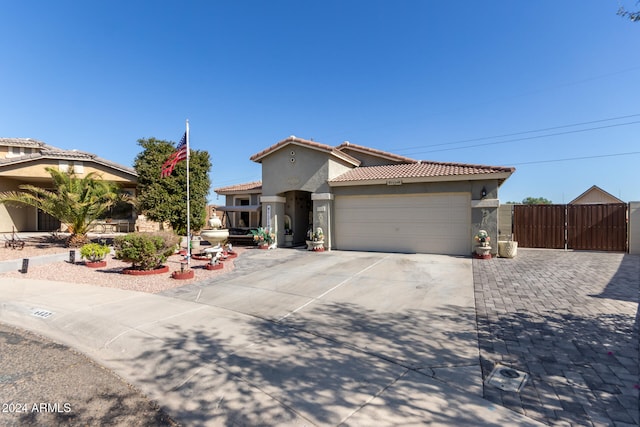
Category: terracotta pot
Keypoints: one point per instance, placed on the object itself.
(134, 272)
(508, 249)
(263, 247)
(232, 255)
(200, 257)
(183, 275)
(315, 245)
(96, 264)
(219, 266)
(482, 252)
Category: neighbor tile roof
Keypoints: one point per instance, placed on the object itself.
(237, 188)
(418, 170)
(22, 142)
(45, 151)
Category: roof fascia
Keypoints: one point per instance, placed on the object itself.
(501, 176)
(235, 192)
(596, 188)
(312, 145)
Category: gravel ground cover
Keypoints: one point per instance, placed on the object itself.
(48, 384)
(109, 276)
(67, 388)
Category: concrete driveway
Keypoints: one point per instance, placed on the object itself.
(289, 338)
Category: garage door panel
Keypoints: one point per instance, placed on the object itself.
(405, 223)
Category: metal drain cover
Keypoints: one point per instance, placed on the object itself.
(41, 313)
(507, 379)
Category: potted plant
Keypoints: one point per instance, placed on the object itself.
(195, 243)
(315, 240)
(94, 253)
(184, 273)
(288, 237)
(482, 249)
(507, 248)
(263, 237)
(288, 231)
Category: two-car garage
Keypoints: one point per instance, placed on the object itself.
(421, 223)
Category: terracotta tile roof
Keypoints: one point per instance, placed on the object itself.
(394, 157)
(420, 169)
(240, 188)
(305, 143)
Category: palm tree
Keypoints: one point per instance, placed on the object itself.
(74, 201)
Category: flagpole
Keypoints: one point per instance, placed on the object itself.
(188, 203)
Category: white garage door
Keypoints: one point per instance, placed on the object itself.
(438, 224)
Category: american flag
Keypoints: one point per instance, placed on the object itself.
(176, 157)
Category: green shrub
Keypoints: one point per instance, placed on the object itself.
(94, 252)
(145, 251)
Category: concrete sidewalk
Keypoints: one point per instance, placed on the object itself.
(213, 365)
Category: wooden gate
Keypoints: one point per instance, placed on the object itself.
(539, 226)
(583, 227)
(597, 227)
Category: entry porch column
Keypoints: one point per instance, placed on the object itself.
(323, 216)
(273, 215)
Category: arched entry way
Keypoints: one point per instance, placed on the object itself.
(298, 207)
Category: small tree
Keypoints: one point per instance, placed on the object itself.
(536, 201)
(532, 201)
(165, 199)
(74, 201)
(633, 16)
(94, 252)
(145, 251)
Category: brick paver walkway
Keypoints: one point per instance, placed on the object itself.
(570, 320)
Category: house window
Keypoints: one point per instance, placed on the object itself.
(15, 151)
(78, 167)
(242, 219)
(65, 166)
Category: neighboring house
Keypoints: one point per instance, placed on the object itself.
(367, 199)
(23, 161)
(242, 208)
(595, 196)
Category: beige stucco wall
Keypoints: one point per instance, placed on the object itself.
(634, 228)
(294, 167)
(366, 159)
(595, 197)
(36, 170)
(505, 222)
(22, 218)
(297, 168)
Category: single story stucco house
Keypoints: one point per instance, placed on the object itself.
(367, 199)
(23, 161)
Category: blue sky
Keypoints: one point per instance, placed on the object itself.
(411, 77)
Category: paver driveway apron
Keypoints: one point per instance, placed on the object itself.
(291, 337)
